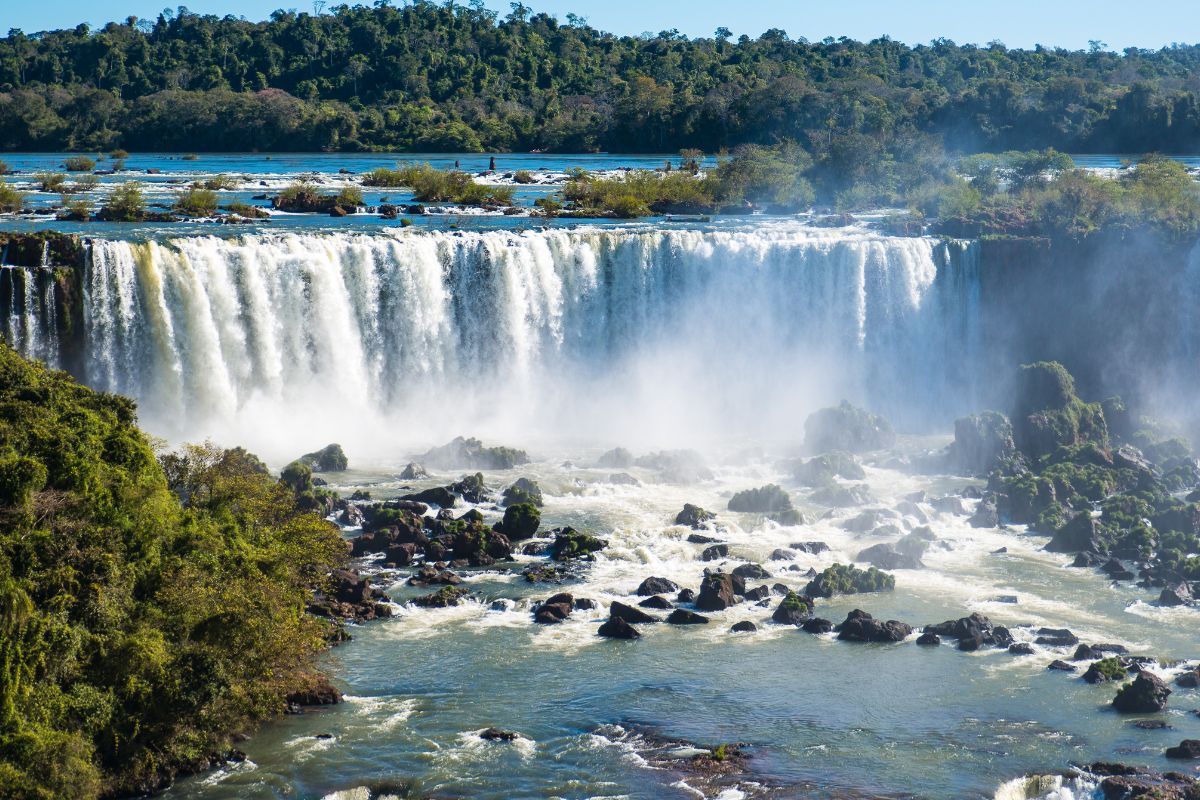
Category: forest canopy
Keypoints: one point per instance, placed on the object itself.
(451, 77)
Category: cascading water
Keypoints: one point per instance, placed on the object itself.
(31, 324)
(666, 334)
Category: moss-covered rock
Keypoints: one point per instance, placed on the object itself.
(523, 490)
(520, 522)
(849, 579)
(571, 544)
(330, 458)
(767, 499)
(847, 428)
(1049, 415)
(982, 443)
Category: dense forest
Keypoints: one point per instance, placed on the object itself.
(450, 77)
(149, 608)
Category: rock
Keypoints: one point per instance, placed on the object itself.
(1060, 666)
(1049, 415)
(928, 639)
(780, 554)
(442, 598)
(1021, 649)
(652, 586)
(986, 515)
(1116, 570)
(329, 458)
(976, 627)
(949, 505)
(1056, 637)
(812, 548)
(617, 458)
(745, 626)
(681, 616)
(1187, 749)
(554, 610)
(842, 496)
(717, 592)
(761, 593)
(864, 522)
(817, 625)
(585, 604)
(439, 496)
(848, 579)
(767, 499)
(571, 544)
(429, 575)
(715, 552)
(885, 556)
(694, 517)
(623, 479)
(413, 471)
(1179, 594)
(523, 490)
(910, 509)
(497, 735)
(1146, 694)
(1081, 533)
(685, 596)
(847, 428)
(677, 466)
(1189, 679)
(471, 453)
(656, 601)
(471, 488)
(793, 610)
(860, 626)
(982, 443)
(751, 572)
(1104, 671)
(521, 521)
(699, 538)
(629, 614)
(823, 469)
(617, 628)
(1084, 653)
(317, 691)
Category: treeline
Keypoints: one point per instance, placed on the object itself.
(449, 77)
(148, 611)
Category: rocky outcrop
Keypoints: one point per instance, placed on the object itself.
(472, 454)
(767, 499)
(523, 490)
(617, 458)
(1081, 534)
(848, 579)
(982, 443)
(886, 556)
(719, 591)
(617, 628)
(794, 609)
(847, 428)
(521, 522)
(571, 544)
(653, 586)
(330, 458)
(694, 517)
(822, 470)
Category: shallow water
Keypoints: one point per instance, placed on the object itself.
(820, 715)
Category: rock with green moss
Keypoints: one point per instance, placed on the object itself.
(1105, 670)
(330, 458)
(445, 597)
(523, 490)
(847, 428)
(471, 453)
(1049, 414)
(571, 544)
(769, 499)
(520, 521)
(471, 488)
(694, 517)
(848, 579)
(794, 609)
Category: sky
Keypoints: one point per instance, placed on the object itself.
(1017, 23)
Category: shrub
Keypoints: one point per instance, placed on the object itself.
(79, 164)
(197, 202)
(11, 201)
(76, 211)
(119, 154)
(4, 168)
(124, 204)
(190, 157)
(350, 197)
(523, 176)
(217, 183)
(85, 183)
(430, 185)
(118, 165)
(50, 181)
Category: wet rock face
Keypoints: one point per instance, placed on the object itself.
(717, 592)
(862, 627)
(847, 428)
(694, 517)
(982, 443)
(617, 628)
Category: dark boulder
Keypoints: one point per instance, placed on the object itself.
(471, 453)
(929, 640)
(717, 592)
(794, 609)
(1021, 649)
(760, 593)
(617, 628)
(745, 626)
(630, 614)
(442, 598)
(976, 627)
(986, 515)
(1146, 694)
(523, 490)
(497, 735)
(1187, 749)
(751, 572)
(1056, 637)
(780, 554)
(571, 544)
(439, 496)
(330, 458)
(694, 517)
(860, 626)
(656, 601)
(812, 548)
(1059, 665)
(817, 625)
(982, 443)
(715, 552)
(767, 499)
(1082, 533)
(681, 616)
(652, 586)
(471, 488)
(1179, 594)
(686, 596)
(554, 610)
(521, 521)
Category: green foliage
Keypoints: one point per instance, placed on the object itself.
(79, 164)
(330, 458)
(849, 579)
(570, 544)
(217, 183)
(125, 204)
(150, 610)
(521, 520)
(119, 154)
(523, 176)
(350, 197)
(246, 210)
(50, 181)
(1106, 669)
(196, 202)
(189, 157)
(431, 185)
(4, 168)
(11, 201)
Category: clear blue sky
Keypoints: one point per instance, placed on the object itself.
(1017, 23)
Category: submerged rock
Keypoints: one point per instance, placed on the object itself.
(1187, 749)
(745, 626)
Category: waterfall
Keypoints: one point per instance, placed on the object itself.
(621, 333)
(31, 324)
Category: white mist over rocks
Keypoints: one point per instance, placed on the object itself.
(651, 338)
